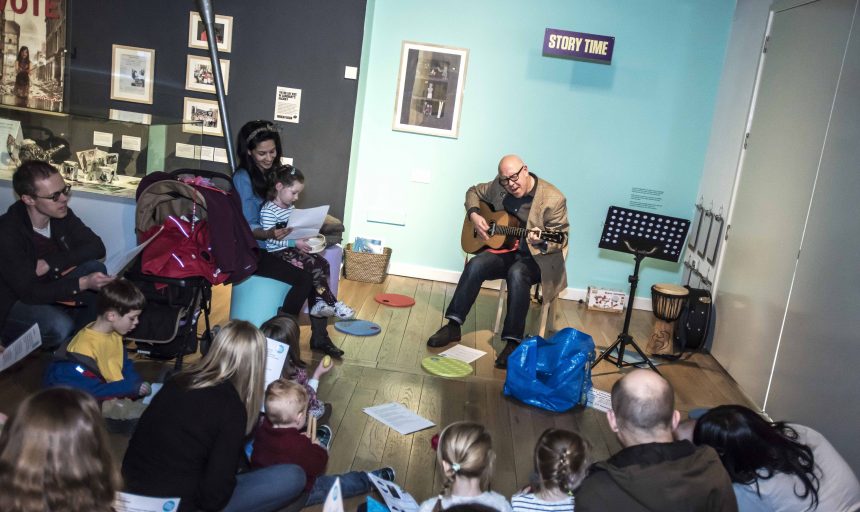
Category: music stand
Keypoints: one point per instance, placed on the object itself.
(640, 234)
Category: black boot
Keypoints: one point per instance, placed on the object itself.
(320, 340)
(446, 334)
(502, 359)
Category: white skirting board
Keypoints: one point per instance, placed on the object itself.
(450, 276)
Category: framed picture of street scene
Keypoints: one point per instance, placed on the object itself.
(201, 116)
(34, 54)
(132, 74)
(430, 89)
(199, 75)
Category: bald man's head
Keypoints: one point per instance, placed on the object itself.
(643, 401)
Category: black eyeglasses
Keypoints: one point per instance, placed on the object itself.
(513, 177)
(67, 190)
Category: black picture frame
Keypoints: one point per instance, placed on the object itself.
(714, 236)
(694, 227)
(702, 242)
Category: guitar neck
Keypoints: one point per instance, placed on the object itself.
(510, 231)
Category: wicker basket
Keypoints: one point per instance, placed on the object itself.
(364, 266)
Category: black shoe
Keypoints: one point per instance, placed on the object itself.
(445, 335)
(386, 473)
(324, 436)
(502, 359)
(327, 347)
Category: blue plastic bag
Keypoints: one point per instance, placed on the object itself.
(553, 374)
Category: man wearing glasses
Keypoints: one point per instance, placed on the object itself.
(538, 205)
(48, 259)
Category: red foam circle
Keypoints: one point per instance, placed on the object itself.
(394, 300)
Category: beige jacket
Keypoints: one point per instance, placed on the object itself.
(548, 210)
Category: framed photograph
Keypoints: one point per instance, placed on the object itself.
(223, 32)
(696, 225)
(205, 115)
(714, 238)
(430, 89)
(702, 241)
(132, 74)
(199, 75)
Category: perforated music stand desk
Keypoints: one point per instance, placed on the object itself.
(642, 234)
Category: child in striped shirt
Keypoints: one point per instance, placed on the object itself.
(285, 185)
(561, 461)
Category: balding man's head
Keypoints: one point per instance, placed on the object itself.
(514, 175)
(643, 402)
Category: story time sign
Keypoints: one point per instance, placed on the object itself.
(578, 45)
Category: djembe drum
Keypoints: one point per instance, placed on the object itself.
(667, 301)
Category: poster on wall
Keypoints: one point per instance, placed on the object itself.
(288, 104)
(132, 74)
(34, 47)
(430, 89)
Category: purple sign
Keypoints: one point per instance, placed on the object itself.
(578, 45)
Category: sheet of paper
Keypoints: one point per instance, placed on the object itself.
(398, 417)
(220, 155)
(102, 139)
(184, 150)
(288, 104)
(18, 349)
(463, 353)
(396, 499)
(307, 222)
(207, 153)
(600, 400)
(131, 143)
(125, 502)
(156, 387)
(277, 355)
(334, 498)
(117, 262)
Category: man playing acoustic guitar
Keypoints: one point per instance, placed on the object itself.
(530, 259)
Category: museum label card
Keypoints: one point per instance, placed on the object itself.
(398, 417)
(207, 153)
(131, 143)
(130, 117)
(220, 155)
(184, 150)
(288, 104)
(102, 139)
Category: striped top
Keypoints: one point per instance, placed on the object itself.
(529, 502)
(271, 214)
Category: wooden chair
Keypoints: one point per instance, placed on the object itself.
(545, 310)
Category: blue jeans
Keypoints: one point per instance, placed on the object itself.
(57, 322)
(352, 484)
(519, 270)
(267, 489)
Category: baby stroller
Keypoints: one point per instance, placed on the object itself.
(199, 238)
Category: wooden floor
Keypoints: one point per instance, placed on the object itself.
(387, 367)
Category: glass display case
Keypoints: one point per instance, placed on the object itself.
(98, 155)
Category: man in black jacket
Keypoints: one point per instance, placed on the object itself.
(48, 259)
(653, 472)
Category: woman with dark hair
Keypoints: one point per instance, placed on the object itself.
(777, 466)
(258, 147)
(22, 70)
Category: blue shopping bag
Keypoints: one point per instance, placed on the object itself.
(553, 374)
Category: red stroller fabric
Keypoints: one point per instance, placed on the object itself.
(183, 249)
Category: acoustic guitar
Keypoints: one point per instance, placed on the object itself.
(504, 231)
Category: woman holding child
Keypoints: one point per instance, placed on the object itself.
(189, 441)
(259, 151)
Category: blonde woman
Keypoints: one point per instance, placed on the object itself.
(465, 457)
(189, 441)
(55, 456)
(561, 461)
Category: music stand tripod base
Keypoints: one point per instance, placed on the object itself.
(641, 234)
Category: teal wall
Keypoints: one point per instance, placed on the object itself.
(593, 130)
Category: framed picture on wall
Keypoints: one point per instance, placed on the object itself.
(223, 32)
(201, 116)
(132, 74)
(199, 75)
(430, 89)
